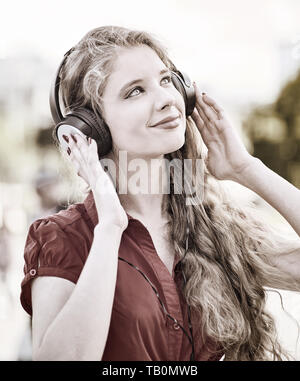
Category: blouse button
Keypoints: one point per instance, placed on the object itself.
(176, 326)
(32, 272)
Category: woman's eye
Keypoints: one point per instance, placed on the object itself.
(167, 78)
(138, 90)
(134, 92)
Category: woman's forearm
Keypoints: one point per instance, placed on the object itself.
(279, 193)
(80, 330)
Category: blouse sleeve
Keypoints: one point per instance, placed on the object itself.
(49, 250)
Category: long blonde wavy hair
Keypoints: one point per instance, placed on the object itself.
(231, 252)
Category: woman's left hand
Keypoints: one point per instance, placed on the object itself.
(227, 156)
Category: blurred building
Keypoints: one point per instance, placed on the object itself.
(25, 83)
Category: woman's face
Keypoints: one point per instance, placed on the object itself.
(132, 109)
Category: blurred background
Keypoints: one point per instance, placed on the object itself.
(245, 54)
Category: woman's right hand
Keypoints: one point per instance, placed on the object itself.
(84, 157)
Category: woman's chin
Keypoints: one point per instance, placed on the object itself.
(174, 145)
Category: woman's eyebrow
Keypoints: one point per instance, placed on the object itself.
(135, 81)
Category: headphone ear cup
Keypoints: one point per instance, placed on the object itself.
(88, 124)
(183, 84)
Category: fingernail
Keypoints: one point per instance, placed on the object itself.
(66, 138)
(73, 137)
(69, 151)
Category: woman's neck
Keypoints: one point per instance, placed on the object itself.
(141, 185)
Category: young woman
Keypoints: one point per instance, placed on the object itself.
(112, 278)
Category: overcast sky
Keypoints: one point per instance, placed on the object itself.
(237, 49)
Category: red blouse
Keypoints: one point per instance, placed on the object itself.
(140, 330)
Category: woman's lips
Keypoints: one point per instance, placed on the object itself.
(168, 125)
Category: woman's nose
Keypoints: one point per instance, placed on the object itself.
(164, 98)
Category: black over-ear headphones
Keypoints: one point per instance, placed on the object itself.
(85, 120)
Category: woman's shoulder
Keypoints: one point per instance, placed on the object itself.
(74, 218)
(74, 214)
(56, 245)
(68, 232)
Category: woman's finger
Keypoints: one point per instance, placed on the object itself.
(201, 126)
(198, 108)
(204, 109)
(211, 102)
(203, 116)
(79, 153)
(94, 148)
(81, 144)
(94, 162)
(197, 119)
(73, 160)
(209, 114)
(91, 164)
(78, 162)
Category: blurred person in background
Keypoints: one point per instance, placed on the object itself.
(209, 262)
(47, 187)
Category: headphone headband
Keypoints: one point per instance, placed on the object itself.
(54, 93)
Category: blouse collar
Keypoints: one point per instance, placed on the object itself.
(90, 207)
